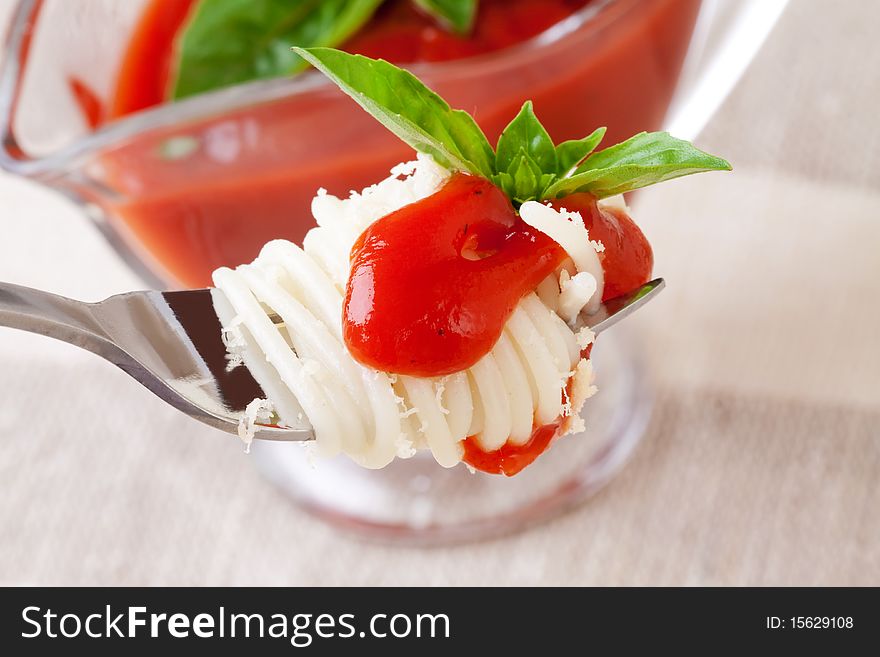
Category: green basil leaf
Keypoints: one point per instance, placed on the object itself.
(504, 181)
(526, 133)
(527, 177)
(398, 100)
(571, 153)
(546, 180)
(646, 159)
(458, 15)
(227, 42)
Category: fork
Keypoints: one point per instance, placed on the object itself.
(171, 343)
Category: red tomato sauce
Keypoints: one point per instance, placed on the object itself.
(627, 263)
(510, 459)
(627, 260)
(149, 60)
(398, 32)
(252, 174)
(433, 284)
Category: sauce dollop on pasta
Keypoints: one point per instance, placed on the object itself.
(433, 283)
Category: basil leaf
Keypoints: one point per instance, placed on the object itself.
(525, 180)
(525, 133)
(527, 177)
(571, 153)
(231, 41)
(458, 15)
(398, 100)
(505, 182)
(646, 159)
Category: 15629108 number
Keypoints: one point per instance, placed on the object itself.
(821, 622)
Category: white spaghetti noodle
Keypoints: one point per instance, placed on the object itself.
(288, 304)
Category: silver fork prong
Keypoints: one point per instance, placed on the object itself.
(614, 310)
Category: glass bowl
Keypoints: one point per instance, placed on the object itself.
(184, 188)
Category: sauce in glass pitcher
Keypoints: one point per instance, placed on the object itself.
(209, 194)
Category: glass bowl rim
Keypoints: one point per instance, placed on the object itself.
(596, 17)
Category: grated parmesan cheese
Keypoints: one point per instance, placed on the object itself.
(585, 337)
(257, 412)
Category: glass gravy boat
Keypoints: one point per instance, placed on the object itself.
(183, 188)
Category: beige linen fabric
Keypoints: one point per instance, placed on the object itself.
(761, 465)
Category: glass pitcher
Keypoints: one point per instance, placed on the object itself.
(183, 188)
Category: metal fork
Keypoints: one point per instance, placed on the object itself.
(171, 343)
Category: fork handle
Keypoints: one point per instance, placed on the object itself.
(51, 315)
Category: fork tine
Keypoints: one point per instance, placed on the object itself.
(614, 310)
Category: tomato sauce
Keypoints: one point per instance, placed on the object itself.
(210, 193)
(401, 33)
(398, 32)
(149, 60)
(433, 283)
(628, 259)
(627, 263)
(510, 459)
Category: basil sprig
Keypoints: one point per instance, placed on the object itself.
(227, 42)
(525, 164)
